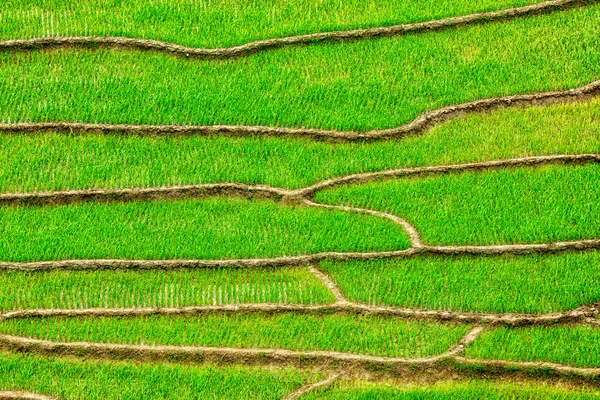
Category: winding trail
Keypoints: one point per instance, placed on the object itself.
(420, 125)
(275, 43)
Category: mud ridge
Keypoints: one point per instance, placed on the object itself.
(19, 395)
(533, 161)
(419, 125)
(300, 261)
(438, 365)
(585, 315)
(297, 196)
(144, 194)
(218, 354)
(299, 40)
(314, 386)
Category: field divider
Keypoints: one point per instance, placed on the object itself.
(298, 40)
(21, 395)
(333, 288)
(419, 125)
(584, 315)
(289, 196)
(300, 261)
(449, 362)
(314, 386)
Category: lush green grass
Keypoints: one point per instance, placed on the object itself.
(359, 85)
(573, 345)
(113, 289)
(54, 161)
(522, 205)
(222, 23)
(70, 379)
(524, 284)
(346, 333)
(208, 228)
(448, 390)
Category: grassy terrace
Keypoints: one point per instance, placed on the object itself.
(520, 205)
(225, 23)
(127, 289)
(448, 391)
(578, 346)
(370, 335)
(69, 380)
(53, 161)
(360, 85)
(209, 228)
(523, 284)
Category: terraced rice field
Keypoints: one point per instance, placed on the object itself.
(315, 199)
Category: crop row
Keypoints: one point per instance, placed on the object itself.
(53, 161)
(179, 288)
(521, 205)
(348, 86)
(213, 228)
(69, 379)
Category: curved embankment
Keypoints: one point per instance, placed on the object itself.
(291, 196)
(301, 196)
(299, 261)
(448, 363)
(314, 386)
(268, 44)
(419, 125)
(582, 315)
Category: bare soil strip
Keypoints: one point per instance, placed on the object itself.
(218, 354)
(450, 362)
(333, 288)
(309, 388)
(300, 261)
(289, 196)
(412, 232)
(144, 194)
(533, 161)
(275, 43)
(418, 126)
(585, 315)
(22, 396)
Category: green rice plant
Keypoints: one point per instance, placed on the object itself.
(507, 284)
(522, 205)
(222, 23)
(372, 335)
(197, 229)
(69, 379)
(577, 346)
(489, 390)
(147, 288)
(352, 86)
(52, 161)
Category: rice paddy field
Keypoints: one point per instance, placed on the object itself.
(314, 199)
